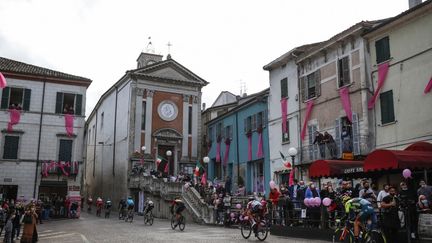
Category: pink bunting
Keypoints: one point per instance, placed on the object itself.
(260, 146)
(204, 178)
(428, 87)
(218, 148)
(284, 105)
(227, 149)
(75, 167)
(291, 178)
(249, 136)
(3, 82)
(69, 120)
(346, 103)
(14, 118)
(382, 74)
(308, 111)
(166, 168)
(62, 167)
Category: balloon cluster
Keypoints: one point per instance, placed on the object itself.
(312, 202)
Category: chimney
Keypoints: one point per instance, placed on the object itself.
(203, 106)
(413, 3)
(244, 95)
(145, 59)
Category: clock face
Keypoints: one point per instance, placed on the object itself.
(167, 110)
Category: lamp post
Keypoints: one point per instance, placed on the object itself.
(168, 154)
(292, 152)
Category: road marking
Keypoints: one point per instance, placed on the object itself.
(58, 236)
(49, 234)
(84, 238)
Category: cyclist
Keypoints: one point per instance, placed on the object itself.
(359, 210)
(180, 206)
(130, 204)
(148, 207)
(99, 204)
(73, 209)
(89, 203)
(108, 205)
(121, 208)
(254, 211)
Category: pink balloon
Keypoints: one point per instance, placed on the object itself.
(232, 215)
(326, 201)
(406, 173)
(246, 218)
(241, 217)
(317, 201)
(306, 201)
(238, 206)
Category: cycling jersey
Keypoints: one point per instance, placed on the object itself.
(130, 202)
(180, 206)
(255, 206)
(361, 206)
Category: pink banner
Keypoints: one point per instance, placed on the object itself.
(227, 149)
(69, 120)
(308, 111)
(291, 178)
(166, 170)
(249, 136)
(62, 167)
(76, 167)
(382, 74)
(284, 105)
(260, 146)
(204, 178)
(346, 103)
(428, 87)
(218, 158)
(14, 118)
(3, 82)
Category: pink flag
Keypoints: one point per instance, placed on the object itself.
(382, 74)
(14, 118)
(249, 147)
(218, 158)
(204, 178)
(308, 111)
(428, 87)
(166, 168)
(346, 103)
(69, 120)
(291, 178)
(284, 104)
(227, 149)
(3, 82)
(260, 146)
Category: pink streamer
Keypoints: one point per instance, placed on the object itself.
(3, 82)
(346, 103)
(226, 156)
(69, 120)
(382, 74)
(14, 118)
(62, 167)
(291, 178)
(218, 158)
(204, 178)
(250, 147)
(428, 87)
(308, 111)
(75, 167)
(284, 105)
(260, 146)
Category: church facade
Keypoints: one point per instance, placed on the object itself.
(152, 112)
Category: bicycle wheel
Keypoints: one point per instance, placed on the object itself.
(182, 223)
(342, 235)
(173, 222)
(262, 231)
(246, 229)
(375, 236)
(131, 218)
(150, 220)
(145, 219)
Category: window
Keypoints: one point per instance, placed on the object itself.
(284, 88)
(344, 71)
(261, 119)
(65, 150)
(89, 136)
(248, 124)
(310, 85)
(16, 98)
(387, 108)
(228, 132)
(254, 122)
(102, 121)
(10, 150)
(190, 120)
(382, 47)
(143, 115)
(219, 129)
(210, 132)
(68, 103)
(286, 135)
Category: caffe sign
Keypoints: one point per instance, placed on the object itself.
(353, 170)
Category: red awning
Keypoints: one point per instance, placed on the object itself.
(420, 146)
(333, 168)
(382, 159)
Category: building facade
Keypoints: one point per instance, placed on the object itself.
(243, 132)
(155, 107)
(42, 120)
(402, 45)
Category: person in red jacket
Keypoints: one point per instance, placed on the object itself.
(274, 198)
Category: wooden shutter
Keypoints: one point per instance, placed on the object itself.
(78, 104)
(315, 146)
(27, 95)
(5, 98)
(59, 103)
(387, 107)
(356, 134)
(284, 88)
(317, 83)
(65, 150)
(302, 89)
(382, 48)
(346, 70)
(338, 139)
(10, 150)
(311, 138)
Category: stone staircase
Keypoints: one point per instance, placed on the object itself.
(201, 211)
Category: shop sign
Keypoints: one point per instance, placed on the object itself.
(73, 188)
(7, 180)
(353, 170)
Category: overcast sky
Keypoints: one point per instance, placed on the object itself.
(226, 42)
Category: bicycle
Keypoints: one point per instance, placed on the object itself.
(181, 223)
(129, 216)
(260, 229)
(107, 212)
(367, 234)
(148, 218)
(122, 214)
(98, 211)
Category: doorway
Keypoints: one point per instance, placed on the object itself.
(8, 192)
(258, 176)
(162, 149)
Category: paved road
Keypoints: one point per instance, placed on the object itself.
(93, 229)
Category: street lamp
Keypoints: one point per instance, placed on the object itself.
(292, 152)
(168, 153)
(206, 160)
(143, 148)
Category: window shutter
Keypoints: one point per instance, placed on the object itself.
(302, 89)
(346, 70)
(27, 95)
(338, 139)
(59, 103)
(284, 88)
(65, 150)
(356, 134)
(315, 146)
(5, 98)
(78, 104)
(10, 150)
(387, 107)
(317, 83)
(309, 130)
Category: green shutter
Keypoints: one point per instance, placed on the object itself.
(318, 83)
(387, 107)
(10, 150)
(59, 103)
(78, 104)
(284, 88)
(5, 98)
(382, 47)
(65, 150)
(27, 95)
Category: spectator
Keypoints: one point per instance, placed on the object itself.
(2, 219)
(423, 204)
(425, 190)
(331, 144)
(228, 185)
(346, 139)
(319, 138)
(408, 200)
(367, 192)
(227, 206)
(8, 227)
(29, 231)
(391, 222)
(16, 223)
(382, 194)
(241, 191)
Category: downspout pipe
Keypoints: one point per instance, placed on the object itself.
(39, 139)
(115, 132)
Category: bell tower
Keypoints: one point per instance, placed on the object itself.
(148, 57)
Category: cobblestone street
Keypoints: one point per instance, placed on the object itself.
(92, 229)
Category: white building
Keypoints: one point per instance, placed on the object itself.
(40, 138)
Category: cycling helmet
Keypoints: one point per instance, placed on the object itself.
(129, 197)
(150, 203)
(345, 199)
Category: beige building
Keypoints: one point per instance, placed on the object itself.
(403, 112)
